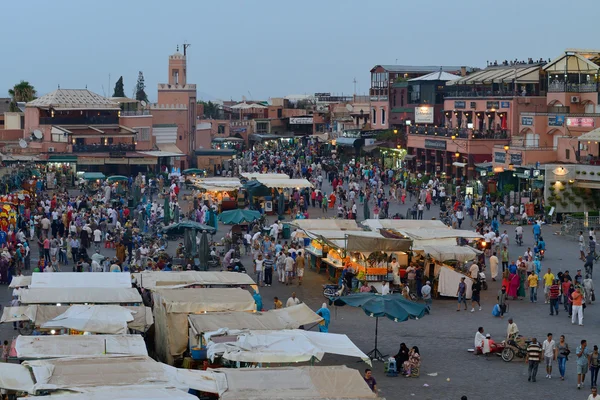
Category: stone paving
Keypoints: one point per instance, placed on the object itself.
(444, 336)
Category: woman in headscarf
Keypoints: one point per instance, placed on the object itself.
(402, 355)
(413, 364)
(324, 313)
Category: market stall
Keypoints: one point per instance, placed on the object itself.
(80, 295)
(223, 192)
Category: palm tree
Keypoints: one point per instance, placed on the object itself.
(22, 91)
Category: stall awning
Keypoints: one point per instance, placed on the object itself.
(345, 141)
(459, 164)
(258, 176)
(370, 244)
(164, 150)
(326, 224)
(81, 279)
(227, 139)
(193, 301)
(285, 183)
(283, 318)
(152, 279)
(20, 281)
(62, 158)
(119, 393)
(79, 296)
(591, 136)
(375, 224)
(445, 253)
(92, 176)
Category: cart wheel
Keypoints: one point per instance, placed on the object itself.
(508, 354)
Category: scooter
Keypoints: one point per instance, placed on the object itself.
(484, 284)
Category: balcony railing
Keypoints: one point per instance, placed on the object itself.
(568, 87)
(135, 113)
(461, 133)
(98, 148)
(94, 120)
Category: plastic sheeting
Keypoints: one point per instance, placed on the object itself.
(257, 175)
(371, 244)
(283, 318)
(284, 346)
(16, 377)
(20, 281)
(39, 347)
(303, 383)
(375, 224)
(449, 280)
(444, 253)
(77, 295)
(80, 280)
(153, 279)
(104, 393)
(285, 183)
(326, 224)
(90, 374)
(94, 319)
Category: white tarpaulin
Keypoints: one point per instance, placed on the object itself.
(40, 314)
(375, 224)
(444, 253)
(194, 301)
(20, 281)
(89, 374)
(257, 175)
(283, 318)
(57, 346)
(285, 183)
(94, 319)
(217, 184)
(153, 279)
(77, 295)
(283, 346)
(104, 393)
(300, 383)
(326, 224)
(437, 233)
(449, 280)
(81, 280)
(15, 377)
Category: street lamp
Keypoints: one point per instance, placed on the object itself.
(395, 131)
(457, 154)
(506, 148)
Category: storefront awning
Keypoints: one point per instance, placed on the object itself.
(591, 136)
(459, 164)
(345, 141)
(409, 157)
(164, 150)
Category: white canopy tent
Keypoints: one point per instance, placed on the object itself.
(157, 279)
(80, 280)
(16, 377)
(437, 233)
(257, 175)
(94, 319)
(79, 295)
(326, 224)
(40, 314)
(284, 346)
(375, 224)
(20, 281)
(112, 393)
(217, 184)
(447, 252)
(57, 346)
(285, 183)
(301, 383)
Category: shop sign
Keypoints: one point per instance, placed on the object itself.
(143, 161)
(424, 115)
(505, 104)
(90, 161)
(435, 144)
(516, 158)
(527, 121)
(581, 122)
(116, 161)
(499, 157)
(557, 120)
(492, 104)
(301, 120)
(460, 104)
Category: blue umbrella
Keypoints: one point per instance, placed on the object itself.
(391, 306)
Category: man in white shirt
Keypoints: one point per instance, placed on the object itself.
(292, 301)
(289, 269)
(479, 338)
(474, 270)
(97, 238)
(494, 266)
(426, 293)
(550, 352)
(385, 288)
(274, 231)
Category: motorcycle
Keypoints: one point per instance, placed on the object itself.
(512, 349)
(542, 252)
(330, 290)
(484, 284)
(519, 239)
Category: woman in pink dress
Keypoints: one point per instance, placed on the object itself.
(513, 287)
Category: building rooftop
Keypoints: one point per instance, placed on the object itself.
(436, 76)
(73, 99)
(421, 68)
(521, 73)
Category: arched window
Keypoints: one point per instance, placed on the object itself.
(532, 139)
(374, 116)
(382, 116)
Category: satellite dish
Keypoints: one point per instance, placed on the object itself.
(143, 103)
(23, 143)
(349, 107)
(38, 134)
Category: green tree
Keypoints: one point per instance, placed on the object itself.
(211, 110)
(22, 91)
(119, 88)
(140, 92)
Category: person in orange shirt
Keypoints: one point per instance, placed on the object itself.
(577, 298)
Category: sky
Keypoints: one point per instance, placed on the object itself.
(272, 48)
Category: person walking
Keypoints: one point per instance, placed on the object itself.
(461, 293)
(577, 312)
(534, 352)
(426, 294)
(505, 256)
(502, 301)
(554, 295)
(292, 301)
(548, 280)
(475, 295)
(550, 352)
(281, 267)
(594, 366)
(268, 265)
(494, 266)
(533, 281)
(561, 357)
(259, 269)
(583, 354)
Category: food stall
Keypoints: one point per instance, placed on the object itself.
(220, 191)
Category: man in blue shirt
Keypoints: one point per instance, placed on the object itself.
(537, 231)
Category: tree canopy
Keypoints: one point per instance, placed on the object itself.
(119, 88)
(211, 110)
(140, 88)
(22, 91)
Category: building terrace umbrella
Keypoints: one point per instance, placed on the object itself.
(235, 217)
(392, 306)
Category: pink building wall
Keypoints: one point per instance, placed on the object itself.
(136, 122)
(378, 106)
